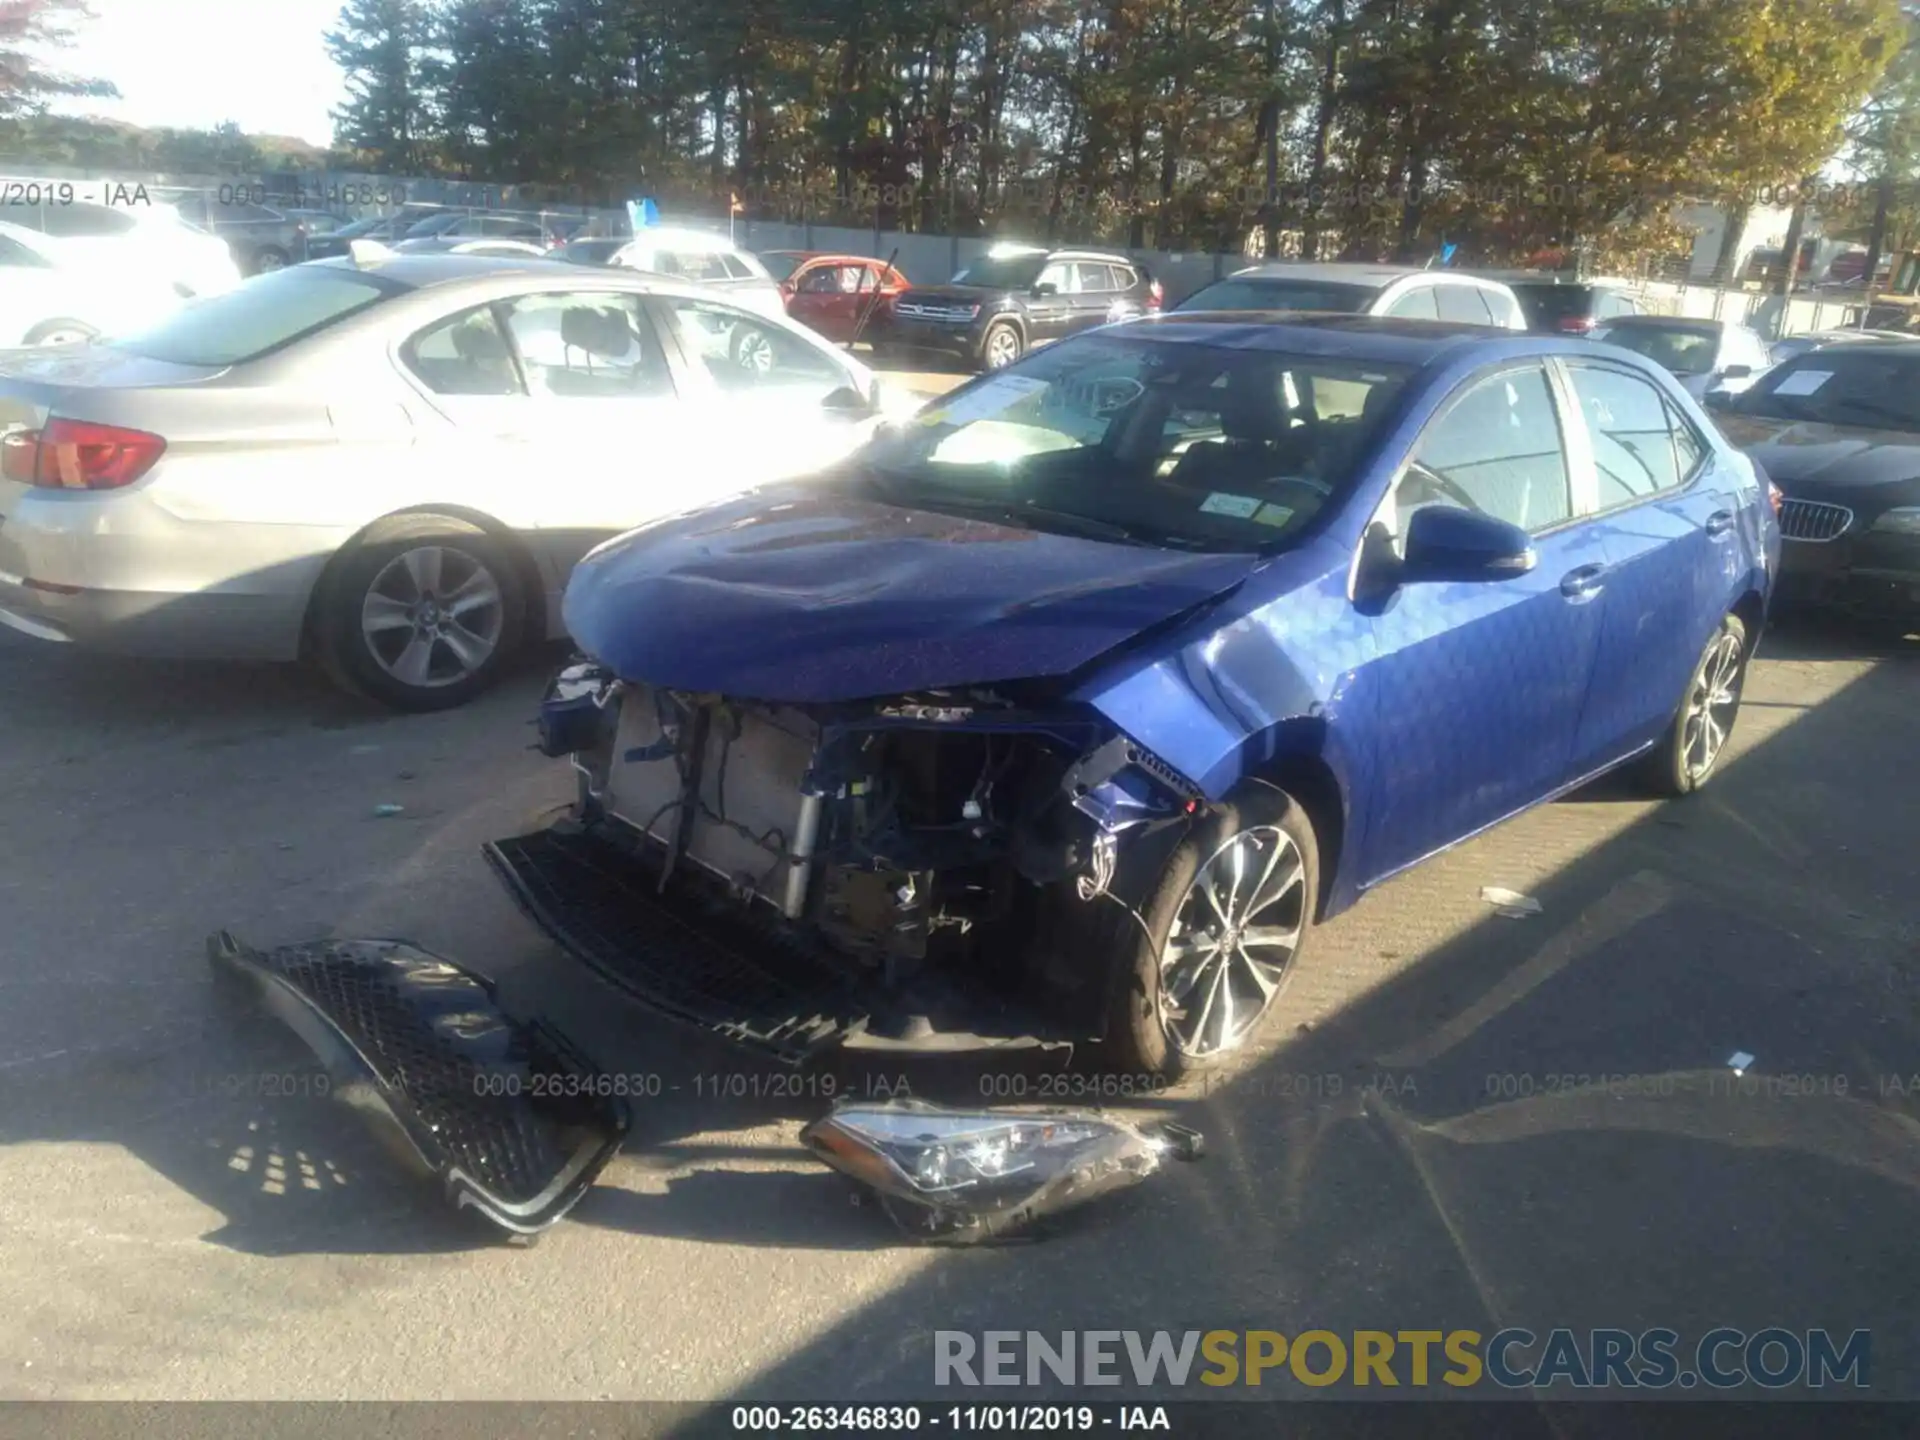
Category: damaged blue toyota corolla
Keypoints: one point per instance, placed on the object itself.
(1102, 681)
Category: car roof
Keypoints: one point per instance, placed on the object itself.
(1361, 337)
(1337, 272)
(425, 269)
(1655, 322)
(678, 238)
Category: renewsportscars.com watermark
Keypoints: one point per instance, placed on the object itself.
(1722, 1359)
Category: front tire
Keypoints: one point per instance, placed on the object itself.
(1219, 935)
(422, 613)
(1001, 345)
(1690, 753)
(270, 258)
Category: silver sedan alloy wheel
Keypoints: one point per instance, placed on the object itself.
(433, 616)
(1231, 942)
(1711, 705)
(754, 351)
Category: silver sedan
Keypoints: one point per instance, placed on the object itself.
(391, 464)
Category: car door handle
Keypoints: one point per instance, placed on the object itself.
(1720, 522)
(1583, 583)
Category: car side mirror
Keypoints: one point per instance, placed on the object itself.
(1736, 372)
(1045, 288)
(848, 403)
(1445, 543)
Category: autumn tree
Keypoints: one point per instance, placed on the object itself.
(29, 31)
(381, 46)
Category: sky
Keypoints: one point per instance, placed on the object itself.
(193, 63)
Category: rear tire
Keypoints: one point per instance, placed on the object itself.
(1689, 754)
(1181, 1002)
(421, 613)
(270, 257)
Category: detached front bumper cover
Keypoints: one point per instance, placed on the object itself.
(506, 1115)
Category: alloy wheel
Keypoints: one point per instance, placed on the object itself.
(1003, 348)
(754, 352)
(433, 616)
(1711, 706)
(1231, 941)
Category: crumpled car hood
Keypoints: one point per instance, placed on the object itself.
(800, 595)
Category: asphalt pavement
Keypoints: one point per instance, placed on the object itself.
(1440, 1135)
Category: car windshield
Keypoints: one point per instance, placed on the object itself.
(265, 313)
(781, 267)
(1243, 293)
(1683, 349)
(1003, 272)
(1144, 441)
(1845, 385)
(356, 229)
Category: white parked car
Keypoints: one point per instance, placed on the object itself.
(148, 238)
(392, 464)
(704, 258)
(54, 294)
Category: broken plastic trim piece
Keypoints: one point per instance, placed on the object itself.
(961, 1177)
(504, 1114)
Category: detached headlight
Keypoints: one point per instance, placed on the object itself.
(1902, 521)
(961, 1176)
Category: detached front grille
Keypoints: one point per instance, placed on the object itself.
(1813, 520)
(910, 310)
(514, 1122)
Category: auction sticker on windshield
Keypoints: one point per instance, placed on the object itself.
(1803, 382)
(1002, 392)
(1221, 503)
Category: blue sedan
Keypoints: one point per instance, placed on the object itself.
(1103, 680)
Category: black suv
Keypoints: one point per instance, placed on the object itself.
(261, 237)
(1555, 306)
(1012, 299)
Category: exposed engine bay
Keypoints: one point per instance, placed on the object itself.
(958, 829)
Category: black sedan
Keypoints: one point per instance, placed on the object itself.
(1838, 430)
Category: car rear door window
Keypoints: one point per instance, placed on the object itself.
(464, 354)
(586, 345)
(1094, 278)
(1417, 304)
(1497, 449)
(1462, 304)
(1635, 451)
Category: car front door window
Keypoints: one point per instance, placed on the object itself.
(1498, 450)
